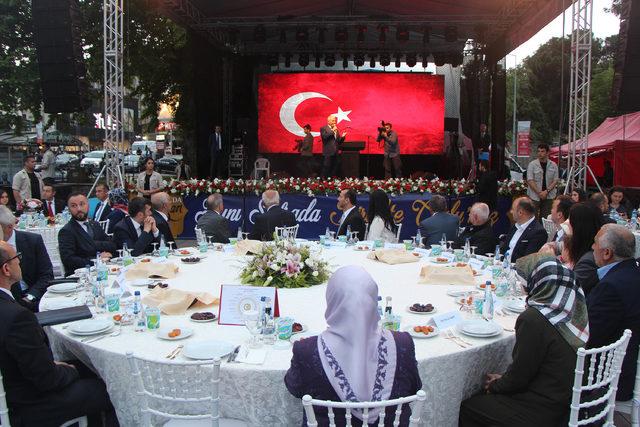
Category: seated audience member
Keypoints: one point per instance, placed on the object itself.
(601, 201)
(274, 216)
(35, 279)
(536, 388)
(618, 203)
(560, 215)
(5, 201)
(479, 231)
(138, 230)
(354, 353)
(578, 195)
(212, 223)
(161, 203)
(40, 391)
(119, 207)
(614, 304)
(487, 185)
(50, 205)
(440, 222)
(381, 226)
(80, 239)
(585, 223)
(102, 209)
(351, 217)
(527, 235)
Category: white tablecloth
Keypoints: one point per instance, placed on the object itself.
(257, 394)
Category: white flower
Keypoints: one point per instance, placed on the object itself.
(255, 274)
(315, 273)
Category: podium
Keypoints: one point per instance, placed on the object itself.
(350, 158)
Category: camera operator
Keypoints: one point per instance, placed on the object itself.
(305, 148)
(391, 150)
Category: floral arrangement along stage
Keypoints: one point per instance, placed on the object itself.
(282, 264)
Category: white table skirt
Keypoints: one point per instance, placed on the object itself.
(257, 394)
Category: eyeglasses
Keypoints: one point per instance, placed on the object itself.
(18, 255)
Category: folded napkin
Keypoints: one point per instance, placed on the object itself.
(149, 270)
(244, 247)
(393, 256)
(251, 356)
(175, 301)
(439, 275)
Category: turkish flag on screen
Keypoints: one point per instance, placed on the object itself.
(413, 103)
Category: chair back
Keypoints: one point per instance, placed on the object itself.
(366, 231)
(398, 232)
(105, 225)
(550, 227)
(4, 409)
(261, 165)
(417, 399)
(177, 390)
(632, 406)
(599, 387)
(287, 233)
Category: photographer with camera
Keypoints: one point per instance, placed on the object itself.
(391, 150)
(305, 148)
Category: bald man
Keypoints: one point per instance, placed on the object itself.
(161, 203)
(331, 140)
(274, 216)
(478, 230)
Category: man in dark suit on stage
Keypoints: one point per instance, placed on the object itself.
(80, 239)
(331, 140)
(103, 209)
(40, 391)
(527, 235)
(51, 206)
(212, 222)
(161, 203)
(440, 222)
(351, 218)
(138, 230)
(216, 152)
(274, 216)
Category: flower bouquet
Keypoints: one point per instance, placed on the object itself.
(284, 265)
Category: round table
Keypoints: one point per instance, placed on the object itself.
(256, 393)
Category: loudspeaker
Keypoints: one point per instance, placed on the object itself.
(56, 26)
(626, 82)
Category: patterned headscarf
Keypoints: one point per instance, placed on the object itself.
(118, 199)
(553, 291)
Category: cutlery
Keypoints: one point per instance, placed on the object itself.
(508, 329)
(99, 337)
(174, 352)
(450, 336)
(460, 339)
(233, 355)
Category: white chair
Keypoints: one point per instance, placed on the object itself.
(261, 165)
(366, 231)
(164, 385)
(632, 407)
(550, 228)
(287, 233)
(398, 232)
(604, 366)
(105, 225)
(4, 411)
(419, 398)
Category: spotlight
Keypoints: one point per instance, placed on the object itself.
(341, 34)
(321, 38)
(426, 36)
(345, 60)
(402, 34)
(425, 60)
(358, 60)
(287, 60)
(302, 35)
(272, 60)
(317, 62)
(329, 60)
(439, 59)
(451, 33)
(383, 33)
(372, 62)
(411, 59)
(361, 30)
(283, 36)
(303, 59)
(398, 56)
(260, 34)
(385, 59)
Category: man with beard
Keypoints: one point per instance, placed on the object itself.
(81, 239)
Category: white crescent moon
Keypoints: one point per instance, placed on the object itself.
(288, 111)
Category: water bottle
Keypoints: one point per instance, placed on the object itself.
(380, 313)
(202, 243)
(348, 234)
(127, 259)
(443, 241)
(138, 313)
(327, 233)
(269, 329)
(467, 249)
(634, 220)
(418, 239)
(487, 305)
(497, 253)
(102, 272)
(239, 235)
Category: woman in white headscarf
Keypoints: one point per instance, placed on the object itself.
(354, 360)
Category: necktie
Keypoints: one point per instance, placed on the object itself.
(218, 141)
(89, 229)
(50, 209)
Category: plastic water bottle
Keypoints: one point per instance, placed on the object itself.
(327, 233)
(102, 272)
(467, 248)
(164, 250)
(443, 241)
(269, 328)
(634, 220)
(348, 234)
(418, 239)
(127, 259)
(239, 235)
(380, 313)
(497, 253)
(487, 305)
(139, 323)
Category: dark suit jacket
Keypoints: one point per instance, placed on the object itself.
(58, 205)
(533, 238)
(163, 226)
(355, 221)
(115, 216)
(432, 228)
(214, 224)
(266, 223)
(487, 188)
(104, 215)
(36, 265)
(481, 236)
(586, 272)
(77, 249)
(613, 306)
(125, 232)
(330, 144)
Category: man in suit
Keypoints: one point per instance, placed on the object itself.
(331, 140)
(215, 151)
(212, 222)
(274, 216)
(161, 203)
(138, 230)
(601, 201)
(614, 303)
(487, 185)
(80, 239)
(103, 209)
(40, 391)
(351, 217)
(479, 231)
(36, 278)
(527, 235)
(439, 223)
(50, 205)
(560, 215)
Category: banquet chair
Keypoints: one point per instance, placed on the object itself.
(105, 225)
(632, 407)
(287, 233)
(4, 412)
(417, 399)
(366, 231)
(163, 385)
(261, 165)
(550, 227)
(398, 232)
(598, 391)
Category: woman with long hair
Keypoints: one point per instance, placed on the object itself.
(618, 203)
(381, 225)
(5, 200)
(585, 221)
(578, 195)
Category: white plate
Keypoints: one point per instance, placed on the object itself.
(433, 260)
(515, 305)
(479, 328)
(207, 350)
(140, 282)
(422, 313)
(59, 303)
(63, 288)
(89, 326)
(493, 286)
(410, 331)
(304, 329)
(459, 293)
(163, 333)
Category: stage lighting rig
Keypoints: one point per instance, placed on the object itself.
(385, 59)
(329, 60)
(341, 34)
(451, 33)
(361, 33)
(287, 60)
(398, 56)
(303, 59)
(260, 34)
(302, 35)
(358, 60)
(412, 59)
(383, 33)
(345, 60)
(317, 61)
(372, 61)
(402, 34)
(283, 36)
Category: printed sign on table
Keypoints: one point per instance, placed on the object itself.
(235, 300)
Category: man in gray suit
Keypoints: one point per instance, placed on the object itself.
(212, 222)
(331, 140)
(440, 222)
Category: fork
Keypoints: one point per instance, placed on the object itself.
(174, 352)
(449, 335)
(460, 338)
(99, 337)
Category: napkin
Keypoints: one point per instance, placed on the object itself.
(244, 247)
(148, 270)
(393, 256)
(175, 301)
(251, 356)
(439, 275)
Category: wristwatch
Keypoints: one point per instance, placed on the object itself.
(29, 297)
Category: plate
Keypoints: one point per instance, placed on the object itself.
(58, 303)
(434, 260)
(63, 288)
(410, 331)
(459, 293)
(479, 328)
(140, 282)
(184, 261)
(215, 317)
(363, 248)
(304, 329)
(163, 333)
(207, 350)
(421, 313)
(482, 286)
(517, 306)
(90, 326)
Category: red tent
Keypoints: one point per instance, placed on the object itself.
(618, 140)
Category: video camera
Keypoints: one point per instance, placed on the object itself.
(382, 127)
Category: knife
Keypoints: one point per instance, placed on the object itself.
(233, 355)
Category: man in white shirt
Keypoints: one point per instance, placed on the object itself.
(560, 215)
(103, 209)
(138, 230)
(542, 178)
(48, 165)
(527, 235)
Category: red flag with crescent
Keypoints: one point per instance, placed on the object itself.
(412, 102)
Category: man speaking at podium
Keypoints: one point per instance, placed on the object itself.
(391, 150)
(331, 140)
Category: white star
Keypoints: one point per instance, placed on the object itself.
(342, 115)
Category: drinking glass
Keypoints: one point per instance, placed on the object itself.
(333, 235)
(245, 235)
(171, 247)
(354, 237)
(473, 251)
(155, 249)
(210, 239)
(252, 323)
